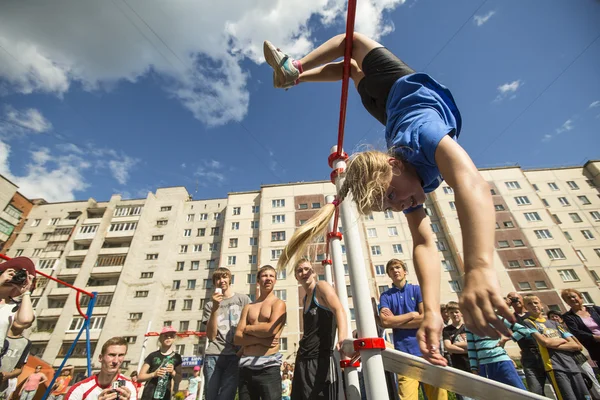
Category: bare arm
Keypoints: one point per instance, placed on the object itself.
(24, 315)
(272, 326)
(571, 345)
(481, 295)
(453, 348)
(13, 374)
(415, 323)
(211, 325)
(240, 339)
(144, 375)
(552, 343)
(329, 298)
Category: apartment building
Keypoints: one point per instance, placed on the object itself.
(150, 260)
(15, 208)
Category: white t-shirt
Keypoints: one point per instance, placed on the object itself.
(90, 389)
(7, 315)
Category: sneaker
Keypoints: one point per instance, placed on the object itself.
(285, 72)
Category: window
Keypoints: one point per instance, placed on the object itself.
(346, 270)
(580, 255)
(453, 205)
(518, 243)
(595, 276)
(522, 200)
(278, 219)
(532, 216)
(162, 222)
(315, 205)
(564, 201)
(255, 209)
(513, 185)
(128, 210)
(503, 244)
(587, 299)
(369, 217)
(349, 291)
(590, 183)
(508, 224)
(575, 217)
(47, 263)
(545, 203)
(53, 221)
(498, 207)
(543, 234)
(253, 224)
(455, 286)
(251, 279)
(235, 226)
(281, 274)
(555, 254)
(156, 238)
(176, 285)
(278, 203)
(568, 275)
(203, 217)
(165, 208)
(529, 262)
(123, 226)
(167, 323)
(514, 264)
(36, 222)
(201, 232)
(541, 285)
(237, 210)
(231, 260)
(216, 216)
(573, 185)
(187, 304)
(191, 284)
(524, 286)
(372, 232)
(281, 294)
(36, 252)
(428, 211)
(595, 215)
(584, 200)
(441, 245)
(556, 219)
(179, 266)
(213, 246)
(187, 233)
(343, 249)
(190, 217)
(277, 236)
(283, 344)
(597, 251)
(233, 242)
(252, 259)
(207, 284)
(303, 206)
(447, 264)
(95, 323)
(215, 231)
(195, 265)
(492, 192)
(392, 231)
(587, 234)
(180, 348)
(146, 275)
(141, 293)
(171, 305)
(448, 190)
(435, 228)
(380, 269)
(553, 186)
(389, 214)
(130, 339)
(376, 250)
(136, 316)
(253, 241)
(275, 254)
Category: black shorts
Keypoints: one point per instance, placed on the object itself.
(382, 69)
(315, 379)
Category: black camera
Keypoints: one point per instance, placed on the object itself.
(514, 300)
(19, 278)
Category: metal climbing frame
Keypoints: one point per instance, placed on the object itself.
(373, 353)
(85, 327)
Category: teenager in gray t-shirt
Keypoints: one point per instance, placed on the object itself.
(220, 319)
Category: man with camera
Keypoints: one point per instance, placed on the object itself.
(108, 384)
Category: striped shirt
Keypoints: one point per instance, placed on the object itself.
(90, 389)
(485, 350)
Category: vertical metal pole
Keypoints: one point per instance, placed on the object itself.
(335, 248)
(372, 363)
(86, 324)
(142, 353)
(328, 274)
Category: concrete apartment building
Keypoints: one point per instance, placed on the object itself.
(15, 208)
(150, 260)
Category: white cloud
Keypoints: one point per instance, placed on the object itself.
(121, 167)
(98, 44)
(567, 126)
(508, 90)
(595, 104)
(209, 174)
(30, 119)
(482, 19)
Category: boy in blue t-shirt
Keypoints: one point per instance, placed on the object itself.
(422, 125)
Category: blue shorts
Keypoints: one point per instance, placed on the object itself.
(503, 372)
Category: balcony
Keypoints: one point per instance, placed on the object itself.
(92, 221)
(85, 236)
(128, 218)
(113, 270)
(50, 312)
(52, 254)
(102, 289)
(120, 234)
(40, 336)
(69, 272)
(114, 251)
(67, 222)
(61, 291)
(77, 253)
(9, 218)
(71, 335)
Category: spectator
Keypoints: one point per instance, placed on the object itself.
(194, 384)
(134, 380)
(531, 360)
(221, 317)
(286, 386)
(160, 367)
(557, 348)
(108, 384)
(455, 341)
(61, 384)
(32, 383)
(583, 322)
(16, 349)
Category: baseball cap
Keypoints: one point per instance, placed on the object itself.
(18, 263)
(197, 368)
(168, 329)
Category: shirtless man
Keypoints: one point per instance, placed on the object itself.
(258, 333)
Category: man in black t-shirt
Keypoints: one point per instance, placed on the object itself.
(455, 340)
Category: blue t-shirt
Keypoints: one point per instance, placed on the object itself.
(402, 301)
(420, 112)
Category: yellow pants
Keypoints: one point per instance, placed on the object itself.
(408, 389)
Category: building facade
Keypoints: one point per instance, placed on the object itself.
(150, 260)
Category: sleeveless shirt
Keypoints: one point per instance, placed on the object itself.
(319, 330)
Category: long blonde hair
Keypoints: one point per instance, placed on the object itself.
(367, 177)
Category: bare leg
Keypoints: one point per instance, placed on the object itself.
(332, 72)
(334, 49)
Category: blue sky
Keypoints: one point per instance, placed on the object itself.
(122, 98)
